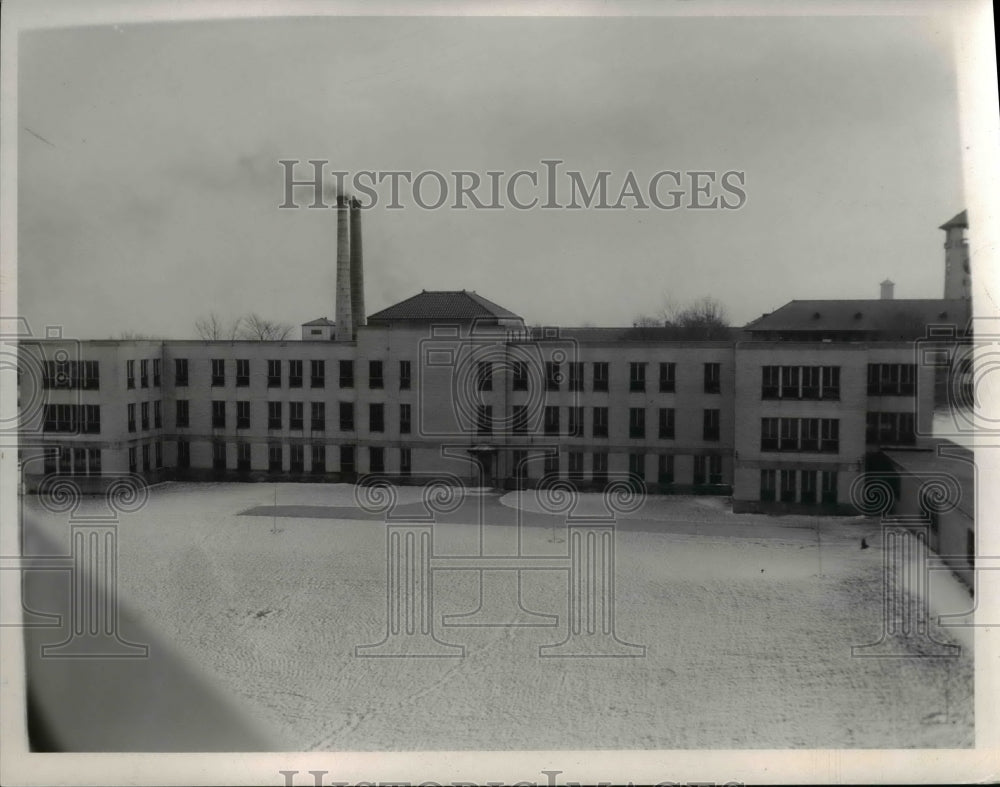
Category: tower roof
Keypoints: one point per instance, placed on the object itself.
(958, 220)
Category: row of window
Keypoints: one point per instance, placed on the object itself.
(800, 434)
(148, 462)
(72, 461)
(800, 382)
(296, 416)
(84, 375)
(892, 379)
(280, 373)
(74, 418)
(890, 429)
(296, 457)
(143, 373)
(798, 486)
(144, 415)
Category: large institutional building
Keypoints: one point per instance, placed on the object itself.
(783, 414)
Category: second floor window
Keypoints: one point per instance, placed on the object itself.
(375, 375)
(552, 376)
(347, 416)
(666, 423)
(600, 422)
(242, 372)
(295, 374)
(218, 372)
(130, 374)
(551, 420)
(181, 413)
(274, 374)
(218, 414)
(318, 416)
(711, 425)
(376, 417)
(636, 422)
(404, 419)
(576, 376)
(484, 376)
(347, 374)
(712, 378)
(484, 419)
(404, 376)
(180, 372)
(317, 374)
(274, 415)
(637, 376)
(295, 418)
(144, 373)
(243, 415)
(601, 375)
(520, 376)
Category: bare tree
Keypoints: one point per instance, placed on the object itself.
(213, 327)
(646, 321)
(705, 318)
(256, 328)
(133, 336)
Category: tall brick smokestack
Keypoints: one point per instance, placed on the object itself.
(345, 321)
(357, 267)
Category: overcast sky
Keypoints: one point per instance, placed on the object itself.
(149, 184)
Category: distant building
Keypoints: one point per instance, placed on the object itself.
(957, 271)
(782, 414)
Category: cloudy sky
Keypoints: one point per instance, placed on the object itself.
(149, 181)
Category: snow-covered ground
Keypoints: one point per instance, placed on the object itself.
(748, 623)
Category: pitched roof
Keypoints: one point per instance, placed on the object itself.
(319, 321)
(958, 220)
(651, 334)
(887, 317)
(444, 305)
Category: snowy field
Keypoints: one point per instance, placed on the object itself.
(747, 620)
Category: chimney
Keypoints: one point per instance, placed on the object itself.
(887, 287)
(345, 323)
(357, 267)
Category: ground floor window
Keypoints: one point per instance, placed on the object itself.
(218, 456)
(808, 494)
(829, 488)
(970, 546)
(714, 462)
(519, 461)
(601, 467)
(297, 461)
(787, 486)
(405, 461)
(183, 454)
(665, 469)
(576, 465)
(376, 459)
(319, 458)
(159, 454)
(768, 485)
(51, 461)
(145, 458)
(243, 457)
(274, 457)
(132, 462)
(94, 457)
(637, 466)
(347, 459)
(551, 466)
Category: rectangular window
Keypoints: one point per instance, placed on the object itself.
(242, 373)
(404, 376)
(700, 474)
(484, 376)
(131, 418)
(789, 434)
(375, 375)
(873, 379)
(376, 459)
(295, 373)
(828, 486)
(637, 422)
(347, 416)
(576, 465)
(180, 372)
(274, 457)
(157, 415)
(219, 456)
(714, 468)
(156, 373)
(484, 419)
(551, 463)
(274, 415)
(94, 460)
(637, 376)
(637, 466)
(317, 416)
(520, 378)
(907, 379)
(600, 422)
(405, 424)
(218, 414)
(519, 421)
(808, 493)
(296, 419)
(668, 377)
(601, 376)
(130, 374)
(665, 469)
(787, 478)
(575, 421)
(183, 454)
(144, 373)
(519, 464)
(600, 472)
(297, 458)
(146, 465)
(317, 374)
(871, 428)
(218, 372)
(789, 382)
(768, 485)
(770, 383)
(181, 414)
(318, 459)
(666, 423)
(710, 425)
(810, 382)
(92, 375)
(274, 374)
(576, 376)
(830, 435)
(552, 376)
(376, 417)
(906, 433)
(132, 461)
(809, 434)
(79, 461)
(347, 459)
(831, 382)
(243, 415)
(144, 415)
(713, 380)
(92, 419)
(243, 457)
(405, 461)
(346, 374)
(551, 420)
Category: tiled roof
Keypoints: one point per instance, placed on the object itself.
(444, 305)
(590, 335)
(959, 220)
(319, 321)
(885, 317)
